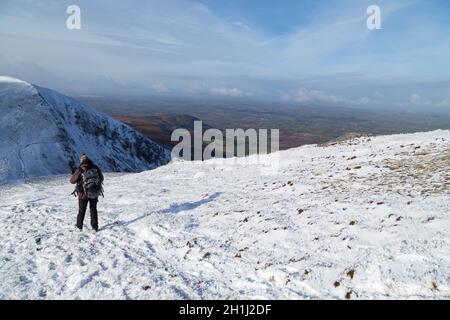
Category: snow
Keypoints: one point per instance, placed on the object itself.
(364, 219)
(13, 81)
(44, 133)
(12, 86)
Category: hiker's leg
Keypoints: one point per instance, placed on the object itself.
(82, 206)
(94, 216)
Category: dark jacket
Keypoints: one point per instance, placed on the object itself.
(76, 176)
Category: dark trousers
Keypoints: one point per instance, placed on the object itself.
(82, 205)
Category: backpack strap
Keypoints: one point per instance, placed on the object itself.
(102, 190)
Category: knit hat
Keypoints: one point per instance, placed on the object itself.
(83, 158)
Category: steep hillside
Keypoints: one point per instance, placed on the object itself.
(364, 218)
(44, 133)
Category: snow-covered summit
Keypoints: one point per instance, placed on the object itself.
(6, 79)
(10, 86)
(358, 219)
(43, 133)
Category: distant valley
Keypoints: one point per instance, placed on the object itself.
(299, 125)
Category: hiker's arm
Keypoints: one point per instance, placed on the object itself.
(75, 177)
(100, 173)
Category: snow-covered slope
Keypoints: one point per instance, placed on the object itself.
(366, 218)
(44, 133)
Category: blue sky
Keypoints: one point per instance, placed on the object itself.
(304, 52)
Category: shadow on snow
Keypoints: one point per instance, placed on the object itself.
(173, 209)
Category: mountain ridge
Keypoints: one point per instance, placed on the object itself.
(44, 133)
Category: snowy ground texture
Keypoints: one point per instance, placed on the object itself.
(366, 218)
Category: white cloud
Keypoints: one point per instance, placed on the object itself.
(417, 99)
(159, 87)
(229, 92)
(365, 101)
(444, 103)
(241, 25)
(304, 95)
